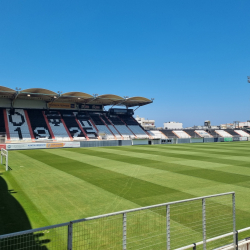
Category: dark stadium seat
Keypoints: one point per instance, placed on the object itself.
(38, 124)
(192, 133)
(60, 132)
(2, 124)
(101, 126)
(231, 132)
(18, 125)
(121, 127)
(134, 126)
(72, 125)
(111, 127)
(212, 132)
(85, 122)
(169, 133)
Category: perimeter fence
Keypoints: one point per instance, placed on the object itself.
(207, 221)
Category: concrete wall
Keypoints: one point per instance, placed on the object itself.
(183, 140)
(99, 143)
(208, 139)
(140, 142)
(194, 140)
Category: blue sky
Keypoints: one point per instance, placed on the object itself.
(192, 56)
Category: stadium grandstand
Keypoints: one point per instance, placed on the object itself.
(39, 115)
(35, 115)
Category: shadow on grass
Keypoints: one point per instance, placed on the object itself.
(14, 219)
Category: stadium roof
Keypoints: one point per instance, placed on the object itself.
(75, 97)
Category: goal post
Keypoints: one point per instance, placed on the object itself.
(4, 153)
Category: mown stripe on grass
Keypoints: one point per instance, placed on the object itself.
(59, 196)
(177, 165)
(213, 175)
(167, 178)
(149, 200)
(227, 152)
(130, 188)
(194, 156)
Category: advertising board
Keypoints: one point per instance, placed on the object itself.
(59, 105)
(244, 138)
(236, 138)
(228, 139)
(3, 146)
(43, 145)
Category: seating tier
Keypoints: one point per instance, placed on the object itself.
(18, 126)
(169, 133)
(72, 125)
(2, 124)
(57, 126)
(39, 125)
(138, 131)
(85, 122)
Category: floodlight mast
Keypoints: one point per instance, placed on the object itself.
(248, 79)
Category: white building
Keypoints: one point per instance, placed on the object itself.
(244, 124)
(146, 124)
(173, 125)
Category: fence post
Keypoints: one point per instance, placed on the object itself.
(194, 247)
(204, 222)
(168, 227)
(234, 223)
(6, 163)
(124, 238)
(70, 234)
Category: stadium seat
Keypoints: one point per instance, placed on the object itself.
(111, 126)
(85, 122)
(18, 126)
(121, 127)
(101, 126)
(169, 133)
(2, 125)
(72, 125)
(57, 126)
(39, 125)
(133, 126)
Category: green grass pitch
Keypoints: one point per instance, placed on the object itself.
(52, 186)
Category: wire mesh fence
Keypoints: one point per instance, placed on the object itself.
(53, 237)
(209, 222)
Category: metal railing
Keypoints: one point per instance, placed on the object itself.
(172, 225)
